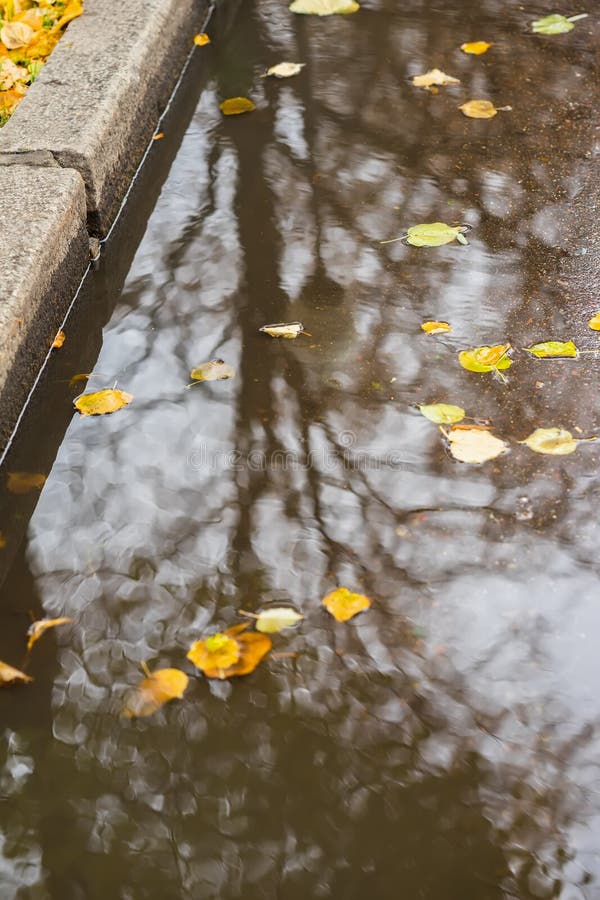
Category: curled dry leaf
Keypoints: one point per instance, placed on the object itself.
(37, 629)
(201, 39)
(555, 24)
(214, 370)
(547, 349)
(594, 322)
(10, 74)
(486, 359)
(442, 413)
(277, 618)
(154, 691)
(324, 7)
(229, 653)
(8, 676)
(432, 327)
(435, 77)
(100, 403)
(344, 605)
(59, 340)
(476, 47)
(24, 482)
(16, 34)
(478, 109)
(234, 106)
(285, 69)
(289, 330)
(552, 441)
(474, 444)
(434, 234)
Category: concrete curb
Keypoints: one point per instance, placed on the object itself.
(67, 159)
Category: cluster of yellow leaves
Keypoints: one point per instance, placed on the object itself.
(30, 29)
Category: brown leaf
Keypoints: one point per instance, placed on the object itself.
(24, 482)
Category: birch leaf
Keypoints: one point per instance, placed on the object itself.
(101, 403)
(201, 40)
(289, 330)
(435, 77)
(434, 234)
(485, 359)
(154, 691)
(234, 106)
(474, 444)
(478, 109)
(344, 605)
(554, 24)
(476, 47)
(594, 322)
(552, 441)
(324, 7)
(548, 349)
(285, 69)
(8, 675)
(442, 413)
(214, 370)
(432, 327)
(37, 629)
(230, 653)
(276, 619)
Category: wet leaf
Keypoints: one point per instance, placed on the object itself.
(100, 403)
(478, 109)
(476, 47)
(2, 541)
(486, 359)
(234, 106)
(230, 653)
(16, 34)
(59, 340)
(434, 77)
(275, 619)
(159, 136)
(324, 7)
(201, 39)
(553, 441)
(214, 370)
(548, 349)
(432, 327)
(285, 69)
(289, 330)
(555, 24)
(24, 482)
(442, 413)
(76, 379)
(37, 629)
(344, 605)
(154, 691)
(434, 234)
(474, 444)
(594, 322)
(8, 676)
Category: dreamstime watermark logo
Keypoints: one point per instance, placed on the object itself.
(343, 453)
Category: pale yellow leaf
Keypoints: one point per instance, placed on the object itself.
(100, 403)
(8, 676)
(474, 444)
(154, 691)
(434, 77)
(16, 34)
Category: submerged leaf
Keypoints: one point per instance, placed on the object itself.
(214, 370)
(2, 541)
(344, 605)
(37, 629)
(474, 444)
(554, 24)
(201, 39)
(432, 327)
(154, 691)
(594, 322)
(485, 359)
(24, 482)
(59, 340)
(442, 413)
(324, 7)
(476, 47)
(100, 403)
(276, 618)
(478, 109)
(285, 69)
(553, 441)
(16, 34)
(553, 348)
(434, 234)
(434, 77)
(8, 675)
(236, 105)
(229, 653)
(289, 330)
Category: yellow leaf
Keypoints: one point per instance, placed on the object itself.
(236, 105)
(442, 413)
(549, 349)
(289, 330)
(474, 444)
(552, 441)
(479, 109)
(16, 34)
(324, 7)
(344, 605)
(201, 39)
(216, 655)
(8, 675)
(214, 370)
(277, 618)
(159, 136)
(154, 691)
(77, 378)
(59, 340)
(285, 69)
(99, 403)
(72, 11)
(485, 359)
(24, 482)
(37, 629)
(594, 322)
(432, 327)
(434, 77)
(476, 47)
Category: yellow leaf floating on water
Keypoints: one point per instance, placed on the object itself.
(15, 35)
(24, 482)
(435, 77)
(434, 234)
(594, 322)
(478, 109)
(59, 340)
(556, 24)
(100, 403)
(8, 676)
(154, 691)
(548, 349)
(474, 444)
(285, 69)
(234, 106)
(201, 39)
(214, 370)
(431, 327)
(37, 629)
(324, 7)
(442, 413)
(476, 47)
(553, 441)
(229, 653)
(485, 359)
(289, 330)
(277, 618)
(344, 605)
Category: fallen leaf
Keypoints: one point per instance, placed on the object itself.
(201, 39)
(2, 541)
(486, 359)
(434, 234)
(594, 322)
(474, 444)
(553, 441)
(553, 348)
(287, 330)
(8, 675)
(59, 340)
(229, 653)
(100, 403)
(555, 24)
(10, 74)
(154, 691)
(324, 7)
(236, 105)
(214, 370)
(16, 34)
(285, 69)
(344, 605)
(24, 482)
(478, 109)
(442, 413)
(159, 136)
(276, 618)
(432, 327)
(434, 77)
(37, 629)
(476, 47)
(83, 376)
